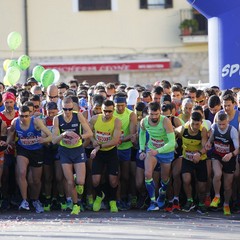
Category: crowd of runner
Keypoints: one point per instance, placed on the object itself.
(76, 147)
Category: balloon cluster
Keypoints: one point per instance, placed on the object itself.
(13, 67)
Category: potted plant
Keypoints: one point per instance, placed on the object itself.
(188, 26)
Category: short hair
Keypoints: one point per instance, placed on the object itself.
(200, 93)
(191, 90)
(98, 99)
(222, 116)
(146, 94)
(110, 86)
(166, 84)
(62, 85)
(209, 92)
(74, 99)
(176, 88)
(166, 107)
(228, 97)
(140, 106)
(74, 81)
(0, 97)
(196, 116)
(2, 85)
(12, 90)
(186, 101)
(35, 98)
(24, 108)
(213, 101)
(158, 90)
(28, 103)
(120, 94)
(67, 100)
(198, 108)
(154, 106)
(108, 103)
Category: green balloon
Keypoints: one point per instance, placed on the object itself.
(13, 74)
(13, 63)
(47, 77)
(37, 71)
(14, 40)
(24, 62)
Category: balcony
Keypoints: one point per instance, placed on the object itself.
(193, 26)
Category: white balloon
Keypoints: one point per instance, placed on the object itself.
(56, 75)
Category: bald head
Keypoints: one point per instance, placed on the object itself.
(52, 93)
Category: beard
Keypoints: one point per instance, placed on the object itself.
(154, 120)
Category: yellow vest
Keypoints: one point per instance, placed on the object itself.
(103, 131)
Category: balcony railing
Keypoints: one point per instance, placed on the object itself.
(198, 31)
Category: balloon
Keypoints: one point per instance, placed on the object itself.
(13, 74)
(6, 81)
(6, 64)
(14, 40)
(13, 63)
(47, 77)
(37, 71)
(56, 75)
(24, 62)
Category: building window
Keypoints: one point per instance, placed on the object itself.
(152, 4)
(92, 5)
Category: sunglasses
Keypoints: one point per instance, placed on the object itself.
(201, 101)
(36, 106)
(51, 97)
(24, 116)
(67, 109)
(108, 111)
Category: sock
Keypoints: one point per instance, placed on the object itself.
(176, 198)
(98, 190)
(190, 200)
(113, 193)
(80, 189)
(217, 195)
(150, 185)
(164, 185)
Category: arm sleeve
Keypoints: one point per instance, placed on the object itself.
(142, 139)
(168, 147)
(235, 137)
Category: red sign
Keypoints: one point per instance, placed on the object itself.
(111, 67)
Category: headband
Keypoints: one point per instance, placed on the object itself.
(8, 95)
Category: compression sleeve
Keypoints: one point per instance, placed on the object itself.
(142, 139)
(168, 147)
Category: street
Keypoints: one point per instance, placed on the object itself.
(122, 225)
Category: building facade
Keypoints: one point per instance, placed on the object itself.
(135, 41)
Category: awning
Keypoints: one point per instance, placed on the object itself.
(120, 66)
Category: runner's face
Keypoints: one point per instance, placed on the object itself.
(120, 107)
(228, 106)
(9, 105)
(187, 109)
(154, 115)
(97, 110)
(222, 124)
(52, 113)
(215, 109)
(69, 109)
(195, 125)
(108, 112)
(24, 117)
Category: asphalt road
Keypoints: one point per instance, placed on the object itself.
(121, 225)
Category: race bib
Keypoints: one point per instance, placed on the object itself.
(157, 143)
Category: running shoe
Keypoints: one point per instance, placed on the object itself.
(169, 207)
(133, 202)
(69, 205)
(38, 206)
(75, 209)
(226, 210)
(97, 203)
(188, 206)
(113, 206)
(24, 205)
(47, 207)
(153, 206)
(215, 202)
(122, 205)
(202, 209)
(89, 202)
(143, 202)
(176, 205)
(207, 201)
(161, 198)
